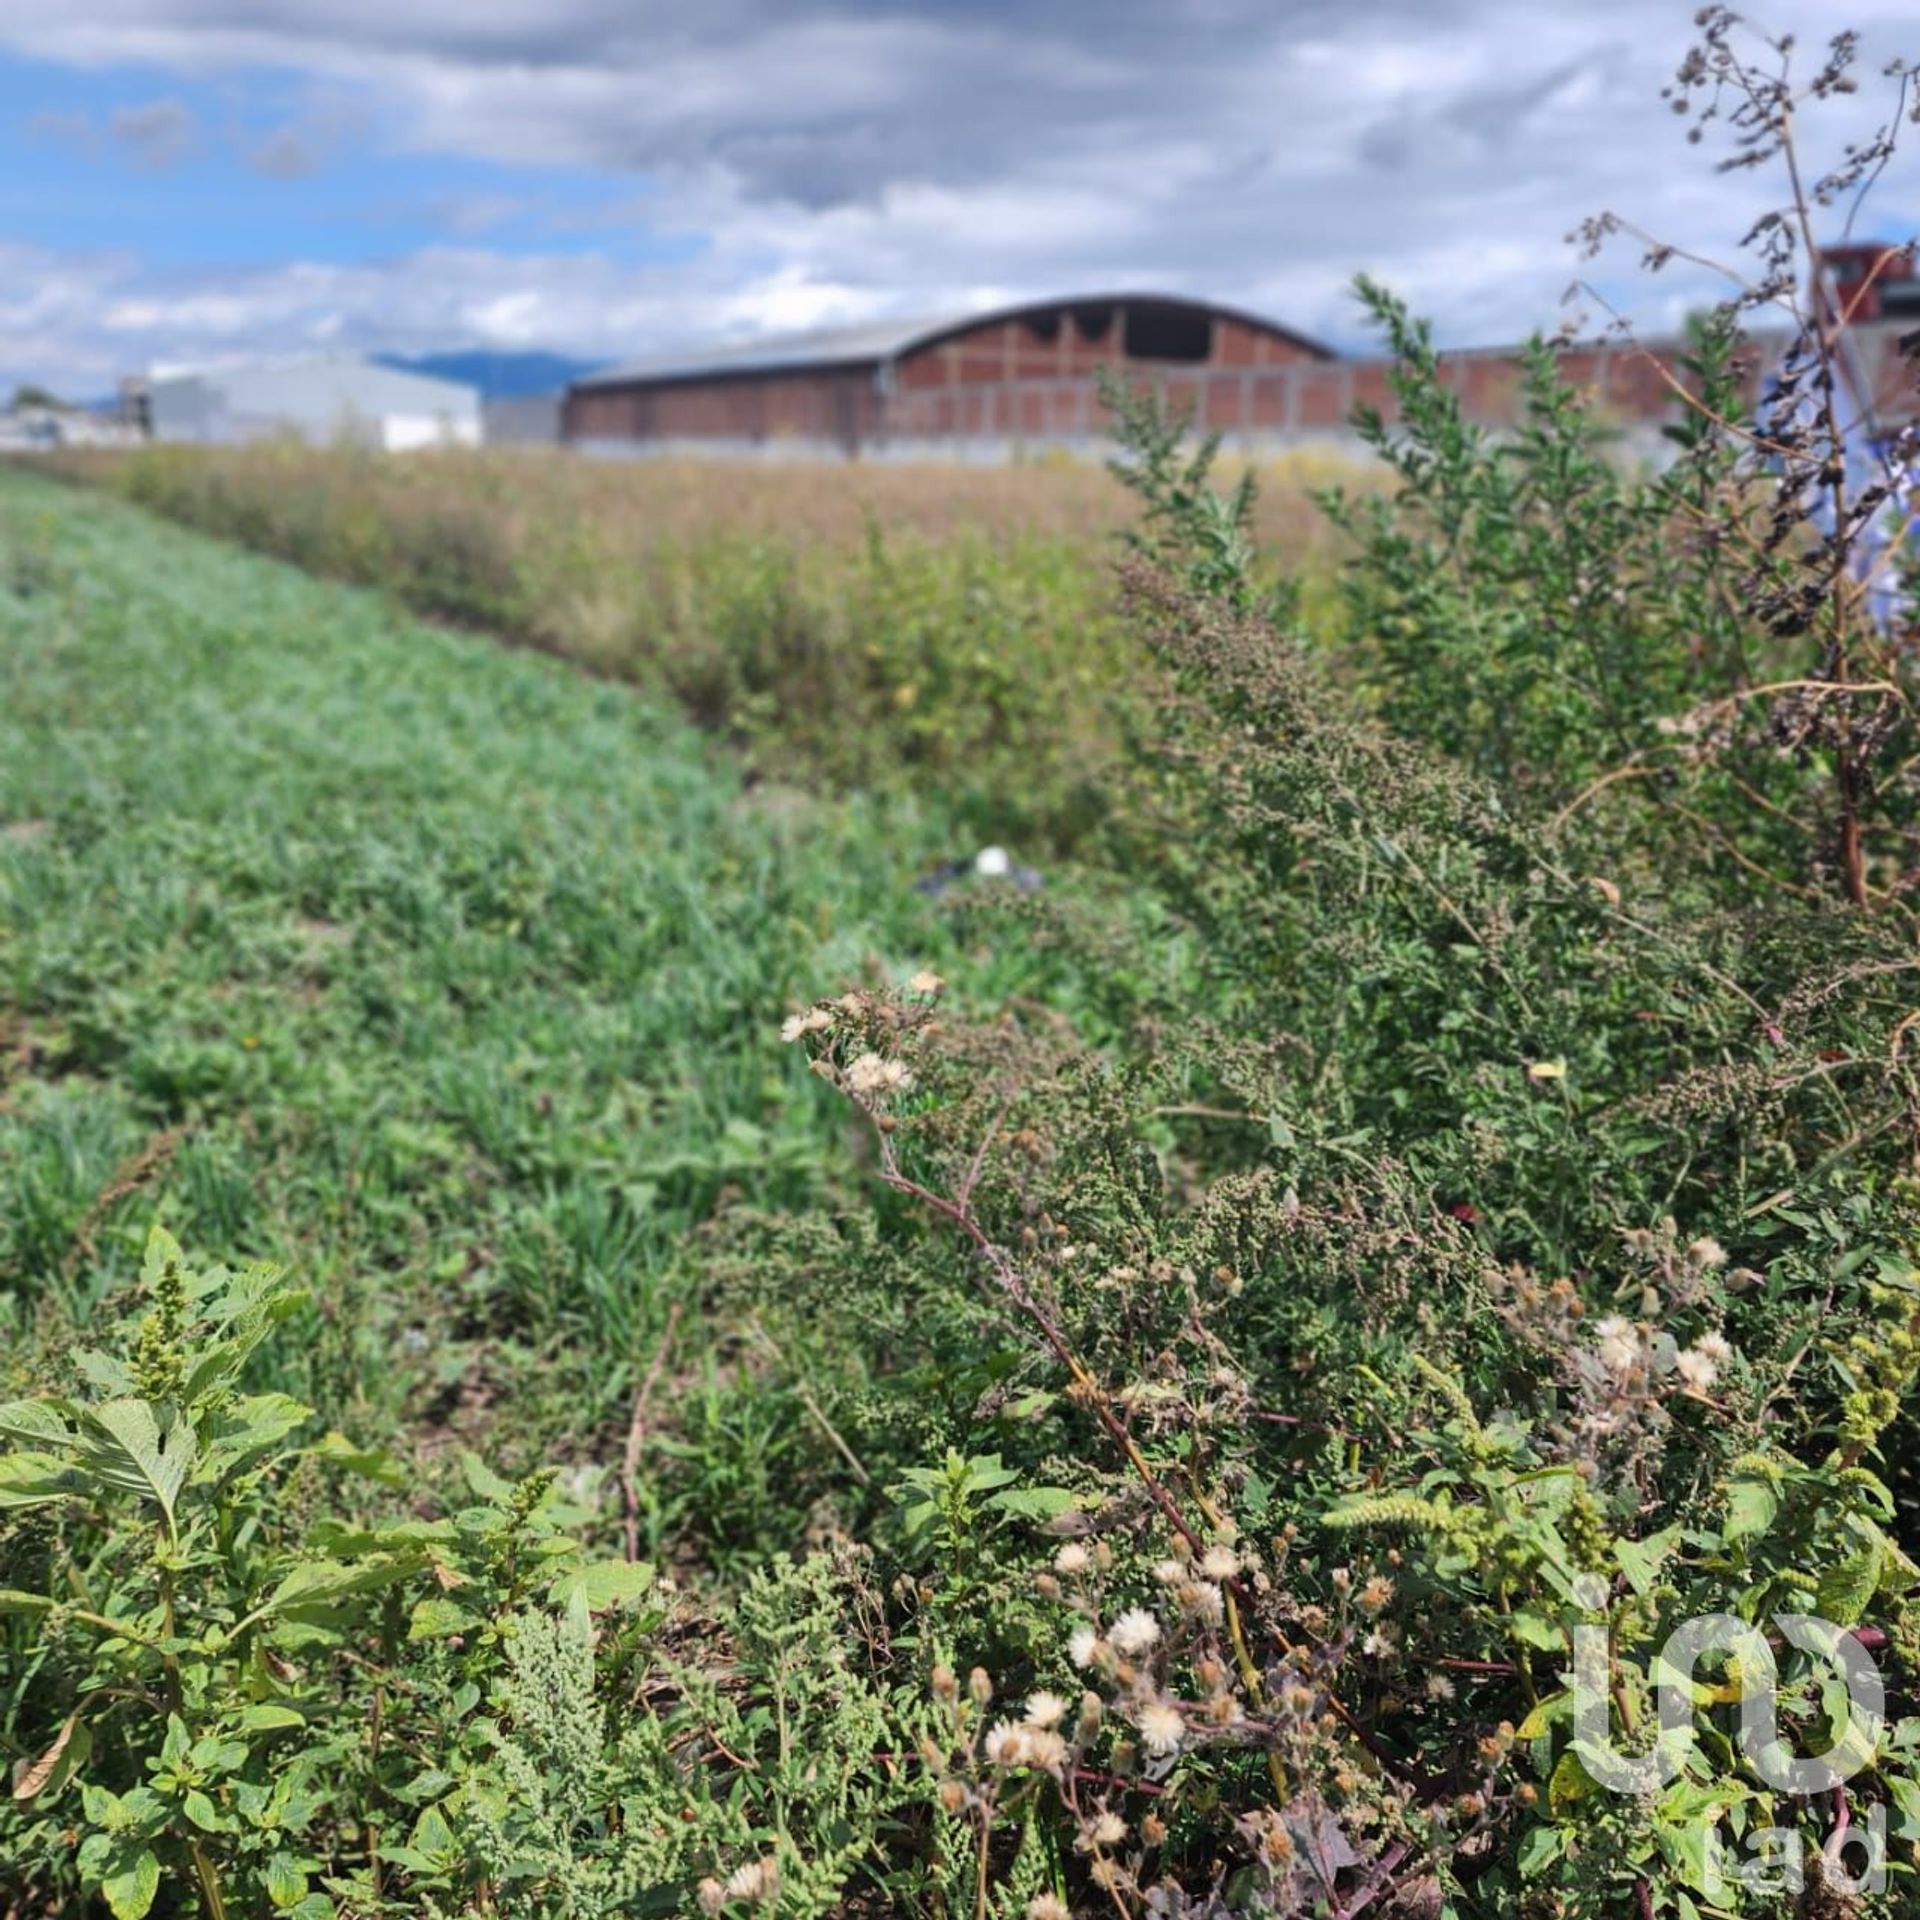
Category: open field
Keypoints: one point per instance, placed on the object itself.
(852, 625)
(448, 974)
(796, 1395)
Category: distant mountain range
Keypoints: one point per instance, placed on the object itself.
(499, 376)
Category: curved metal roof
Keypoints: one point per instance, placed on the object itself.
(883, 340)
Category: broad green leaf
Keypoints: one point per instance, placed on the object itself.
(254, 1306)
(1032, 1503)
(1539, 1850)
(202, 1812)
(1752, 1507)
(249, 1427)
(1685, 1845)
(35, 1421)
(602, 1583)
(131, 1881)
(102, 1804)
(1571, 1783)
(270, 1718)
(339, 1451)
(162, 1251)
(141, 1449)
(1536, 1630)
(1641, 1560)
(1556, 1706)
(103, 1373)
(34, 1479)
(431, 1833)
(483, 1483)
(286, 1883)
(435, 1617)
(317, 1586)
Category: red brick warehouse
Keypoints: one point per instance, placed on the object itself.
(987, 384)
(1025, 374)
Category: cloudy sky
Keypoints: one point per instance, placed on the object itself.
(187, 178)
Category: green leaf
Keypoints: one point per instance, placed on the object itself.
(35, 1421)
(1752, 1508)
(269, 1718)
(131, 1881)
(1556, 1706)
(162, 1251)
(1571, 1783)
(1032, 1503)
(1847, 1586)
(202, 1812)
(286, 1883)
(1641, 1560)
(432, 1834)
(435, 1617)
(141, 1449)
(1537, 1630)
(339, 1451)
(602, 1583)
(34, 1479)
(1540, 1848)
(483, 1483)
(318, 1586)
(255, 1304)
(102, 1805)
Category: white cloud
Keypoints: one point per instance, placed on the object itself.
(887, 157)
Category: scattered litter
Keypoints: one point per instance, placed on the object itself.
(990, 863)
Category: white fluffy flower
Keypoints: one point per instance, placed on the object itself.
(926, 981)
(1169, 1573)
(1219, 1563)
(1006, 1745)
(1134, 1632)
(1697, 1369)
(1618, 1343)
(1084, 1646)
(1161, 1729)
(1202, 1600)
(1045, 1709)
(814, 1020)
(1715, 1346)
(1707, 1252)
(757, 1880)
(1072, 1558)
(871, 1074)
(1047, 1906)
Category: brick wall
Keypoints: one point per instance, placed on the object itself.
(1005, 384)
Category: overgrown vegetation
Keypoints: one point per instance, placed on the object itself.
(1173, 1395)
(859, 629)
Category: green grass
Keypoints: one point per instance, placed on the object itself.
(437, 969)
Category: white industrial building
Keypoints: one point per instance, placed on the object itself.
(324, 399)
